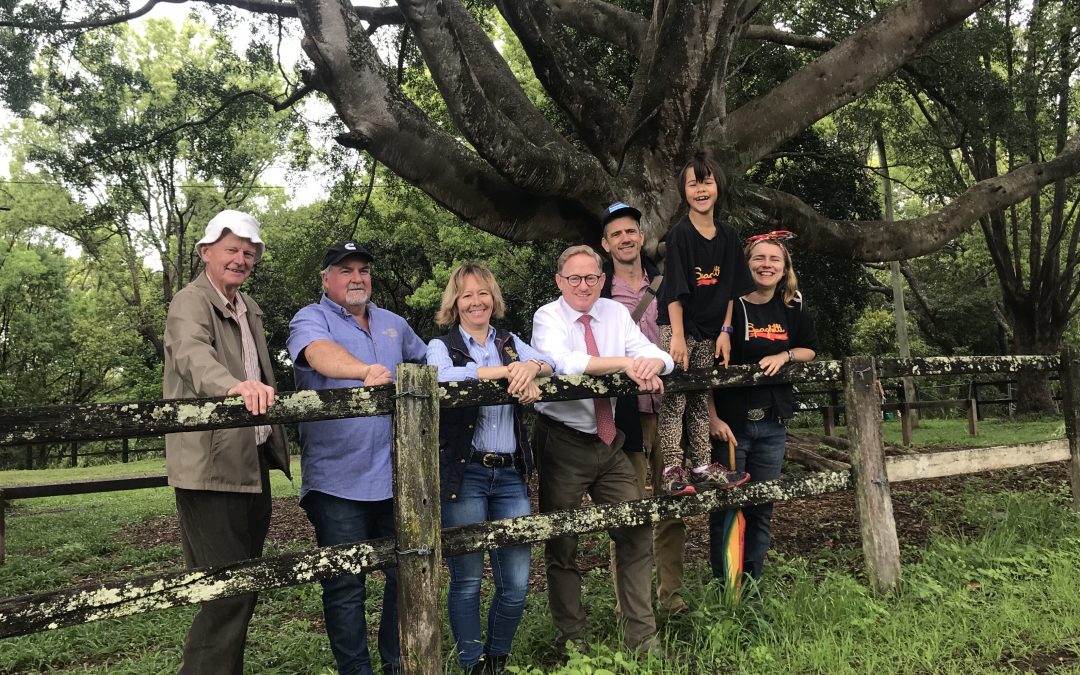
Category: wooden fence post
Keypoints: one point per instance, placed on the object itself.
(74, 454)
(907, 422)
(417, 516)
(1070, 407)
(873, 500)
(828, 416)
(973, 416)
(125, 448)
(3, 529)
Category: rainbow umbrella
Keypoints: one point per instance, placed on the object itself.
(734, 543)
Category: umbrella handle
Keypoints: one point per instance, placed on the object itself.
(731, 452)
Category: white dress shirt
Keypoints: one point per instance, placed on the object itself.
(558, 333)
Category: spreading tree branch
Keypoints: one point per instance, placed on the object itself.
(842, 74)
(783, 37)
(879, 240)
(686, 50)
(374, 16)
(384, 122)
(489, 80)
(448, 38)
(604, 20)
(598, 120)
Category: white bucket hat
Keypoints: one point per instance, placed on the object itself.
(237, 222)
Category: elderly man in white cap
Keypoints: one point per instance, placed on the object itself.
(215, 346)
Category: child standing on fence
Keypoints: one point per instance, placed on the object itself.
(703, 273)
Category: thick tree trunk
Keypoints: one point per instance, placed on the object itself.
(1034, 394)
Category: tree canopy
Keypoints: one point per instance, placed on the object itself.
(526, 169)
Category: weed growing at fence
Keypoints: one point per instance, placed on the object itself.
(982, 597)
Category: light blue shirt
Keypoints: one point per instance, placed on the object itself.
(349, 458)
(495, 423)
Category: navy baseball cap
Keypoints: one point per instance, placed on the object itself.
(618, 210)
(342, 250)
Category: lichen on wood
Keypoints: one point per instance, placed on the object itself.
(151, 418)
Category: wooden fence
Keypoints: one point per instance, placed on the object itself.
(415, 401)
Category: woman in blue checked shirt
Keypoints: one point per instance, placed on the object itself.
(484, 460)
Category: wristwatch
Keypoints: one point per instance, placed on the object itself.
(727, 329)
(791, 356)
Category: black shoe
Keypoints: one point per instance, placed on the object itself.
(495, 665)
(478, 668)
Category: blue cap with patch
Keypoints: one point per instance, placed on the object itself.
(618, 210)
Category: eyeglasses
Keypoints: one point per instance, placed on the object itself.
(576, 279)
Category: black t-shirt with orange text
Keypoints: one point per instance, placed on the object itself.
(763, 330)
(703, 274)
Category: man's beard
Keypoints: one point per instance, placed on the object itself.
(356, 297)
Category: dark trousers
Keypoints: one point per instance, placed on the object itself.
(572, 463)
(218, 528)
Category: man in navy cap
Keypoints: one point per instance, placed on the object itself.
(631, 278)
(215, 346)
(345, 340)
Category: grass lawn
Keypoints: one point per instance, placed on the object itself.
(937, 432)
(997, 595)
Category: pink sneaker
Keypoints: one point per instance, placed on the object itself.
(676, 482)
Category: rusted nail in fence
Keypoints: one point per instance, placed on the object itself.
(408, 393)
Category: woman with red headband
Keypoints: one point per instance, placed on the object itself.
(771, 329)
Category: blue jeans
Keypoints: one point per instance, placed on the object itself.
(344, 521)
(487, 494)
(760, 451)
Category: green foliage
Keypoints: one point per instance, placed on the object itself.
(134, 127)
(874, 334)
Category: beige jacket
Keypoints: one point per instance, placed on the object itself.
(203, 358)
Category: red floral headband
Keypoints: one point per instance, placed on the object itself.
(775, 235)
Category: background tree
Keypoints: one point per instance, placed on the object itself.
(1005, 97)
(156, 131)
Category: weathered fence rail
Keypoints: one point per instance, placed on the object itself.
(415, 400)
(46, 611)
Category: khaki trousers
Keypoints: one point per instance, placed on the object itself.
(572, 463)
(669, 536)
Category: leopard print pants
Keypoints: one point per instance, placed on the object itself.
(693, 407)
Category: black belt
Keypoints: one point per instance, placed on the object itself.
(492, 460)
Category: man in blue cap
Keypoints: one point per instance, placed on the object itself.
(632, 279)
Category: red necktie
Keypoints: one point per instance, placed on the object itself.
(605, 421)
